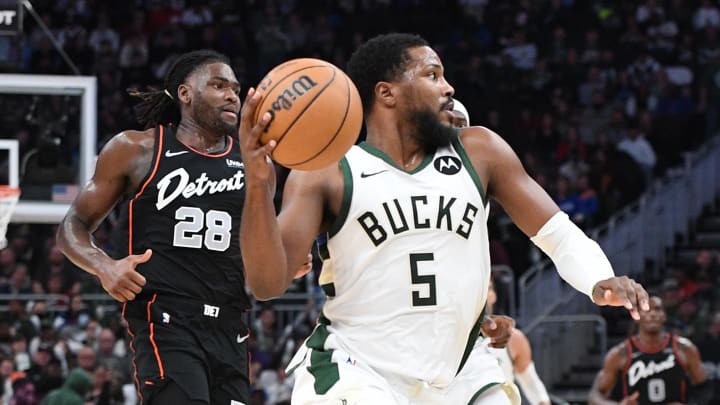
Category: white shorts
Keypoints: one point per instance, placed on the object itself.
(334, 377)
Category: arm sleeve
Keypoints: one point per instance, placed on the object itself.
(579, 259)
(532, 387)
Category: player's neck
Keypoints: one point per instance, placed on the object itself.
(198, 138)
(651, 340)
(405, 152)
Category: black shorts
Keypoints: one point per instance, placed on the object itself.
(201, 347)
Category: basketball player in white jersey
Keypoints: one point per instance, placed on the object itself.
(407, 263)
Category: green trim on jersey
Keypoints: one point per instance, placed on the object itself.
(382, 155)
(460, 149)
(474, 333)
(346, 200)
(328, 289)
(323, 320)
(321, 366)
(324, 253)
(480, 392)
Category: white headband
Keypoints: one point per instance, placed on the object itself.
(459, 107)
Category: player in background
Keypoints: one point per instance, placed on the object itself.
(653, 367)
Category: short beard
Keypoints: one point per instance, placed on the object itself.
(219, 126)
(224, 127)
(431, 133)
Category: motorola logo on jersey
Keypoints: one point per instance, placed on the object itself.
(177, 183)
(447, 165)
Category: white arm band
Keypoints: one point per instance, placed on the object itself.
(532, 387)
(579, 259)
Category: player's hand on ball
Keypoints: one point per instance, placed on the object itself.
(622, 292)
(498, 328)
(255, 155)
(122, 281)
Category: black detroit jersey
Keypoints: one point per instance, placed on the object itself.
(658, 375)
(188, 211)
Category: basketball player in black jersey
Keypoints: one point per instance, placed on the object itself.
(653, 367)
(182, 281)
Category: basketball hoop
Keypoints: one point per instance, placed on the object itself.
(8, 199)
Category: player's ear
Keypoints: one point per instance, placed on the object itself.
(184, 94)
(384, 93)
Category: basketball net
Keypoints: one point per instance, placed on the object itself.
(8, 199)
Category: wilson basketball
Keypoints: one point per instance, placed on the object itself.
(316, 113)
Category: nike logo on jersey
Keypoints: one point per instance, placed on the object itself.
(171, 154)
(241, 339)
(364, 175)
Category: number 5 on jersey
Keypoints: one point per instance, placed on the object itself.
(192, 220)
(416, 278)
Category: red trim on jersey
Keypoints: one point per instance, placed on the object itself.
(152, 339)
(628, 356)
(676, 351)
(681, 361)
(142, 189)
(213, 155)
(652, 350)
(132, 348)
(683, 391)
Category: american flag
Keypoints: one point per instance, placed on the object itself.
(64, 193)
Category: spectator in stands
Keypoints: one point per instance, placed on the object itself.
(6, 370)
(73, 390)
(265, 336)
(23, 390)
(637, 146)
(709, 347)
(106, 355)
(45, 371)
(707, 15)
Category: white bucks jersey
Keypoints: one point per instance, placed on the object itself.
(407, 263)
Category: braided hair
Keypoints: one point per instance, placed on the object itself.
(160, 106)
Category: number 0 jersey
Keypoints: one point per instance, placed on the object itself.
(406, 265)
(188, 211)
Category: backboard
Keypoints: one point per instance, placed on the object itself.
(52, 210)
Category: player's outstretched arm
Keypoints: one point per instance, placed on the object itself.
(524, 369)
(274, 248)
(579, 259)
(95, 200)
(606, 378)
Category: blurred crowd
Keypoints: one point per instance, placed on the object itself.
(599, 98)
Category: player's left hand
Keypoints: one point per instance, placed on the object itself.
(622, 292)
(498, 328)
